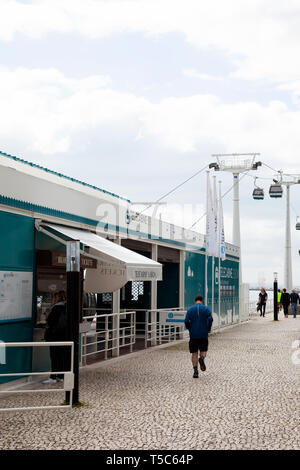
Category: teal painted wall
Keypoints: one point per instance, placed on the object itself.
(230, 291)
(17, 253)
(195, 284)
(194, 277)
(229, 304)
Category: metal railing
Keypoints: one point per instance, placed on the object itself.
(68, 380)
(151, 330)
(157, 332)
(109, 332)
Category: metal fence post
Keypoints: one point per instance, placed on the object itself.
(146, 328)
(106, 336)
(131, 331)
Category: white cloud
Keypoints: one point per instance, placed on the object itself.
(260, 37)
(184, 123)
(48, 109)
(192, 73)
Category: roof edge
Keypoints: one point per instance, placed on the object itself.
(60, 175)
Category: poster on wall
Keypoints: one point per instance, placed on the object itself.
(15, 295)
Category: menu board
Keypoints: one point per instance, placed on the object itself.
(15, 295)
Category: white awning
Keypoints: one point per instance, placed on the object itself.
(115, 264)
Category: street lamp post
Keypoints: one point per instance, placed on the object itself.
(73, 309)
(275, 292)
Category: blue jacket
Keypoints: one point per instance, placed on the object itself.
(198, 321)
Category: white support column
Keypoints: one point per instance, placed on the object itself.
(288, 277)
(213, 267)
(154, 256)
(206, 238)
(116, 318)
(219, 252)
(236, 235)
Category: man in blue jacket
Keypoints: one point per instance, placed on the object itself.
(198, 321)
(295, 300)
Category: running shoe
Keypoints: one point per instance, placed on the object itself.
(202, 364)
(49, 381)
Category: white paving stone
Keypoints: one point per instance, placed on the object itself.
(248, 398)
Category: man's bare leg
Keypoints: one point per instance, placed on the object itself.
(195, 359)
(195, 364)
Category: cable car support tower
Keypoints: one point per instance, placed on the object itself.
(236, 163)
(288, 180)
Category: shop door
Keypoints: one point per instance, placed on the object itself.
(168, 288)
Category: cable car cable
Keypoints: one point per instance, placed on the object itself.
(273, 169)
(174, 189)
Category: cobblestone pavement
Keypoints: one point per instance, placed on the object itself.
(249, 398)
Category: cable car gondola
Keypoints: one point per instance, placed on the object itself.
(258, 193)
(275, 190)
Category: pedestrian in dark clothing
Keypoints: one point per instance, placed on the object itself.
(262, 300)
(198, 321)
(56, 330)
(295, 300)
(285, 302)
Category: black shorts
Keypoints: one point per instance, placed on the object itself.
(200, 344)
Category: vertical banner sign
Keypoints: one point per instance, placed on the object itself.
(221, 232)
(210, 221)
(215, 219)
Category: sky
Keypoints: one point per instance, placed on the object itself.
(135, 96)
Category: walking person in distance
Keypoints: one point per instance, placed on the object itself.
(198, 321)
(285, 302)
(262, 300)
(295, 300)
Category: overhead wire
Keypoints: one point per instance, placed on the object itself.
(268, 166)
(292, 207)
(174, 189)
